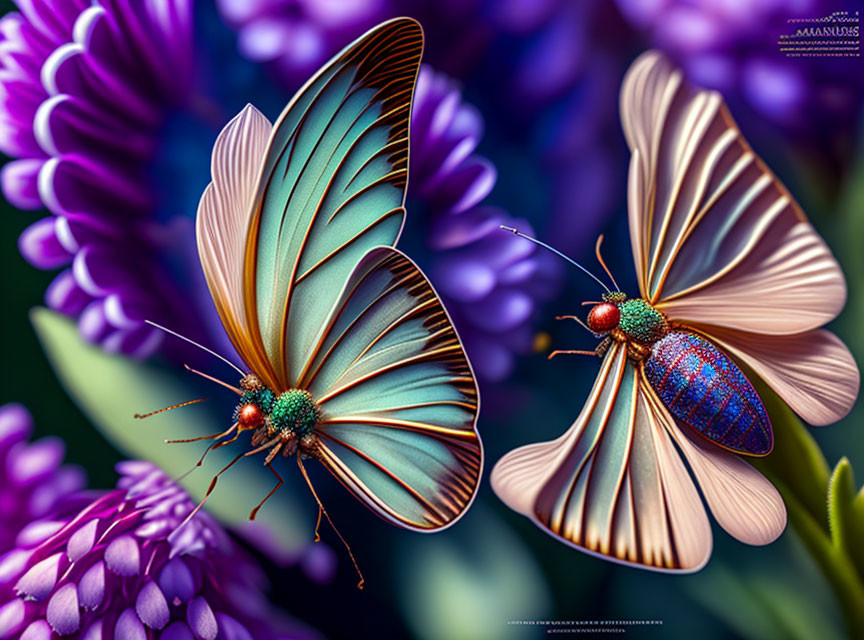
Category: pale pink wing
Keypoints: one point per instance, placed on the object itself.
(222, 226)
(614, 484)
(742, 500)
(813, 371)
(716, 237)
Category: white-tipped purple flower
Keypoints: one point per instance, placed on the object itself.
(85, 88)
(33, 481)
(121, 567)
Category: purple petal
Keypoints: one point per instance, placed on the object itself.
(319, 565)
(64, 294)
(230, 629)
(18, 181)
(16, 424)
(35, 461)
(201, 620)
(491, 360)
(152, 607)
(501, 311)
(177, 581)
(452, 231)
(62, 613)
(38, 630)
(94, 631)
(12, 563)
(129, 627)
(39, 581)
(92, 322)
(39, 245)
(464, 280)
(11, 617)
(91, 587)
(38, 532)
(82, 541)
(177, 631)
(123, 556)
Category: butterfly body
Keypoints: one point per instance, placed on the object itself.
(704, 389)
(699, 384)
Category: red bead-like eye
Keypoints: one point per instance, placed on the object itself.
(250, 416)
(603, 317)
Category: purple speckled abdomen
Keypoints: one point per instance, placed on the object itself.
(703, 388)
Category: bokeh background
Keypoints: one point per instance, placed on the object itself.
(528, 88)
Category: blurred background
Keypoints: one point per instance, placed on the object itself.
(515, 122)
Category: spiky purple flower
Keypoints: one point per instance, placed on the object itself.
(33, 480)
(84, 87)
(123, 566)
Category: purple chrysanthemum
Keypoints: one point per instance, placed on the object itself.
(33, 481)
(122, 567)
(85, 85)
(733, 47)
(490, 279)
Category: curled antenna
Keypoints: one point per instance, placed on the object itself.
(555, 251)
(200, 346)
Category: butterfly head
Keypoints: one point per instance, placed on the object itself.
(606, 315)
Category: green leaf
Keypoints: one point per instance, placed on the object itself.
(797, 461)
(108, 389)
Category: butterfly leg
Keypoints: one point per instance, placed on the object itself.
(579, 320)
(214, 436)
(221, 443)
(272, 491)
(558, 352)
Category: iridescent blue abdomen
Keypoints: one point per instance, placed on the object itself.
(703, 388)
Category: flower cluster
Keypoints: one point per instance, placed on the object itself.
(127, 565)
(85, 86)
(33, 480)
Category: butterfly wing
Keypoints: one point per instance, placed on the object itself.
(612, 485)
(716, 236)
(332, 187)
(398, 398)
(615, 484)
(222, 227)
(719, 241)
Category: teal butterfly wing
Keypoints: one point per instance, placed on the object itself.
(332, 187)
(398, 398)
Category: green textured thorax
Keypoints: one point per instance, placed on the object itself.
(642, 322)
(295, 411)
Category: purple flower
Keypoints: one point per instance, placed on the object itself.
(733, 47)
(121, 566)
(490, 280)
(32, 480)
(84, 88)
(298, 36)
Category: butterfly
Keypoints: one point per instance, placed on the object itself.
(351, 358)
(730, 271)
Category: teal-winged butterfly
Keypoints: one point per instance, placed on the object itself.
(729, 271)
(352, 359)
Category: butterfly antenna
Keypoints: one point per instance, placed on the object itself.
(216, 380)
(200, 346)
(603, 263)
(321, 510)
(176, 406)
(577, 319)
(555, 251)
